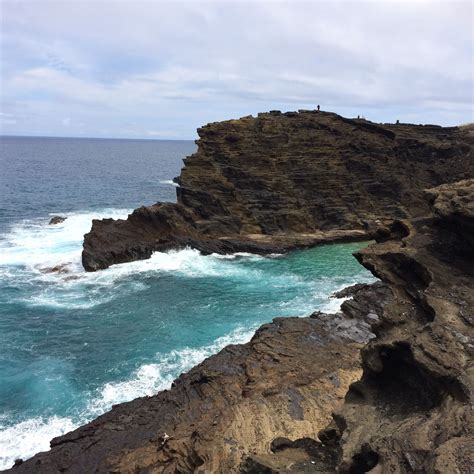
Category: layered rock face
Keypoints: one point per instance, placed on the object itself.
(412, 409)
(386, 385)
(285, 180)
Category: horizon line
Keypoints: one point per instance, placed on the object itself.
(100, 138)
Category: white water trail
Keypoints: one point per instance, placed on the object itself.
(153, 377)
(25, 439)
(32, 249)
(34, 244)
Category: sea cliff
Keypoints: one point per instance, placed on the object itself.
(387, 383)
(281, 181)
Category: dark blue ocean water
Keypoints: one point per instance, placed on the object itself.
(73, 344)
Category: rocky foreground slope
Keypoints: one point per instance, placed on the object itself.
(412, 410)
(285, 382)
(298, 398)
(285, 180)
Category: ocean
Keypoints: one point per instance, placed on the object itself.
(75, 343)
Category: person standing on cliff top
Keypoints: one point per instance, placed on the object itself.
(318, 107)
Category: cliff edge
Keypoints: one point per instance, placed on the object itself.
(412, 409)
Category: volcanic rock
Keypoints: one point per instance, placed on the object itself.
(285, 382)
(60, 268)
(412, 409)
(387, 384)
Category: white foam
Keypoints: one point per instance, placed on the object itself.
(33, 246)
(36, 244)
(29, 437)
(332, 304)
(170, 182)
(189, 262)
(151, 378)
(233, 256)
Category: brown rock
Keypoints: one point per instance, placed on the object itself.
(61, 268)
(412, 410)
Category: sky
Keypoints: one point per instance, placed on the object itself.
(155, 69)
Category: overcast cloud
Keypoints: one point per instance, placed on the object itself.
(143, 69)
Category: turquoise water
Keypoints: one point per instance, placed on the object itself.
(74, 343)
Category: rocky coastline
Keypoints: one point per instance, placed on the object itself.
(386, 384)
(281, 181)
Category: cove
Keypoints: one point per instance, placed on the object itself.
(75, 343)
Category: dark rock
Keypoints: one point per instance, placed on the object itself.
(397, 402)
(349, 291)
(279, 444)
(61, 268)
(56, 220)
(411, 411)
(300, 456)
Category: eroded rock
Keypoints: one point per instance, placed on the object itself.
(412, 409)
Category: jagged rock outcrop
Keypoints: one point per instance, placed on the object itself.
(285, 180)
(266, 406)
(412, 409)
(56, 220)
(285, 382)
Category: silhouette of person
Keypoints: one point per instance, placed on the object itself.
(318, 107)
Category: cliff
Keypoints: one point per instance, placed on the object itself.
(298, 398)
(287, 180)
(412, 409)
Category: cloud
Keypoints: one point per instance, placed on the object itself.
(172, 67)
